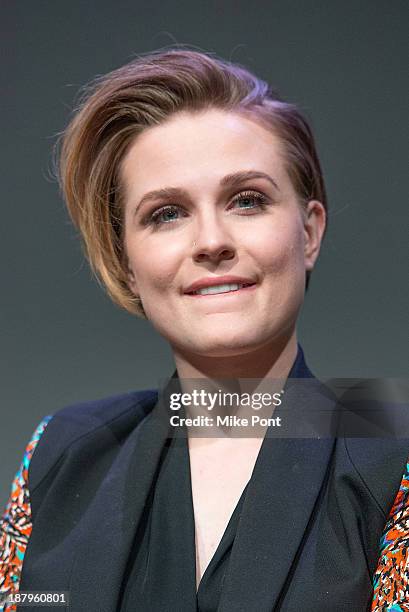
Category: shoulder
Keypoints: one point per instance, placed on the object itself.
(109, 419)
(375, 426)
(376, 465)
(85, 415)
(78, 419)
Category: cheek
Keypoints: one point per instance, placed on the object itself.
(154, 268)
(282, 251)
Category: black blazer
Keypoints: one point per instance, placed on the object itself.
(310, 541)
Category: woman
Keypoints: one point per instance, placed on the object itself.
(202, 206)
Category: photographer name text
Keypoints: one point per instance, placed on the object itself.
(225, 421)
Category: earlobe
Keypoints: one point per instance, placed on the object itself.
(314, 228)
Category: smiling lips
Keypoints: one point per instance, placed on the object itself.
(218, 285)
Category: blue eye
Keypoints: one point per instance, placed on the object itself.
(250, 199)
(166, 214)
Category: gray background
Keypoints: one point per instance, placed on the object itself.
(345, 63)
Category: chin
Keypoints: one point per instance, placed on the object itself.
(223, 345)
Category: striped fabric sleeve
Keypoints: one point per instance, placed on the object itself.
(15, 525)
(391, 579)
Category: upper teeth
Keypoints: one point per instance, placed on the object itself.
(219, 289)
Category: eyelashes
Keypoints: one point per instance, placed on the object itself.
(171, 213)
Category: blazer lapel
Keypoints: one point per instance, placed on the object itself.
(111, 520)
(279, 507)
(275, 517)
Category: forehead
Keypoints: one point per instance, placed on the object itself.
(198, 147)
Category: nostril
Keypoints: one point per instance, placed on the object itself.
(210, 254)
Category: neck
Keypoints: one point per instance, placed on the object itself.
(269, 366)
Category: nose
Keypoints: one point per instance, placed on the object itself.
(212, 241)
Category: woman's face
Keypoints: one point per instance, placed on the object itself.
(222, 214)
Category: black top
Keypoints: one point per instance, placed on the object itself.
(161, 569)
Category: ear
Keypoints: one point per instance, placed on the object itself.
(315, 219)
(132, 283)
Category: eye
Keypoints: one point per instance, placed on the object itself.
(164, 215)
(249, 200)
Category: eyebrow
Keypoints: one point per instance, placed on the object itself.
(230, 180)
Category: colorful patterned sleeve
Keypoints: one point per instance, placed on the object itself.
(391, 579)
(15, 525)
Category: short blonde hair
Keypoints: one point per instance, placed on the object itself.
(144, 93)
